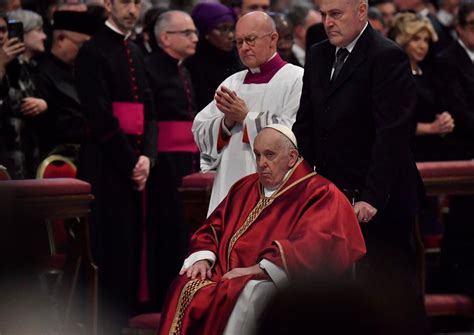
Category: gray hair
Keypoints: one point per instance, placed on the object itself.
(30, 19)
(164, 21)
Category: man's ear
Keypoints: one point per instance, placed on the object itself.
(108, 5)
(274, 40)
(363, 8)
(164, 39)
(294, 154)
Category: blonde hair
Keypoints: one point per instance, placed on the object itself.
(406, 25)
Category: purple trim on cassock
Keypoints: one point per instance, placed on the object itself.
(267, 71)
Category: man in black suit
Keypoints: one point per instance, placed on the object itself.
(456, 81)
(354, 124)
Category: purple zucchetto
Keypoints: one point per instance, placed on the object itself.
(208, 15)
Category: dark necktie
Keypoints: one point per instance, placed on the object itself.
(341, 56)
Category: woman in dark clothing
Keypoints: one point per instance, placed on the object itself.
(414, 35)
(216, 57)
(19, 144)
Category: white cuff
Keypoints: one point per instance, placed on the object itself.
(199, 256)
(276, 273)
(225, 129)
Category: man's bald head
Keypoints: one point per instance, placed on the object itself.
(256, 38)
(275, 155)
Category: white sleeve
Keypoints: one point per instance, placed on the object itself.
(206, 128)
(199, 256)
(283, 112)
(276, 273)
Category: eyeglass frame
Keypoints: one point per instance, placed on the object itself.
(186, 32)
(249, 40)
(469, 25)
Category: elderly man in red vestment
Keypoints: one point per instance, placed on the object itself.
(276, 225)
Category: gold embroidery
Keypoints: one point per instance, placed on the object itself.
(283, 258)
(187, 294)
(261, 205)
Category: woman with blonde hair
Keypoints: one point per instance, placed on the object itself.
(414, 34)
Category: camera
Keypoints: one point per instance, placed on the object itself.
(15, 29)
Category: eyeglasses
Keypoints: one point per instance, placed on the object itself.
(185, 33)
(3, 29)
(249, 40)
(470, 25)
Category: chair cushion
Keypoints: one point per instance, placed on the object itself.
(199, 180)
(44, 187)
(449, 304)
(59, 170)
(446, 169)
(145, 321)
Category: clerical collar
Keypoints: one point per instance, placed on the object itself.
(351, 45)
(268, 192)
(257, 69)
(265, 72)
(470, 53)
(112, 26)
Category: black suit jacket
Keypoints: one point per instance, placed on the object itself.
(456, 82)
(356, 131)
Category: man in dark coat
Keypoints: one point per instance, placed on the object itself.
(456, 80)
(60, 129)
(177, 153)
(116, 156)
(354, 124)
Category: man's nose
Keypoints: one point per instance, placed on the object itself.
(133, 8)
(328, 22)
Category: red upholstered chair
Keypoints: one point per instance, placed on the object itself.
(25, 205)
(445, 179)
(196, 189)
(56, 166)
(4, 173)
(143, 324)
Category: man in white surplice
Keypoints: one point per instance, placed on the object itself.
(268, 92)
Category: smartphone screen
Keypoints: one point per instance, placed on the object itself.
(15, 29)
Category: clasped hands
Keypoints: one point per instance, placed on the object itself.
(203, 269)
(140, 172)
(443, 124)
(233, 107)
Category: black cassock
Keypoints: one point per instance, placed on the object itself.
(110, 69)
(177, 156)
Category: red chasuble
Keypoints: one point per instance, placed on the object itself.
(306, 226)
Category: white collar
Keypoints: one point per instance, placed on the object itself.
(445, 18)
(470, 53)
(109, 23)
(268, 192)
(351, 45)
(257, 69)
